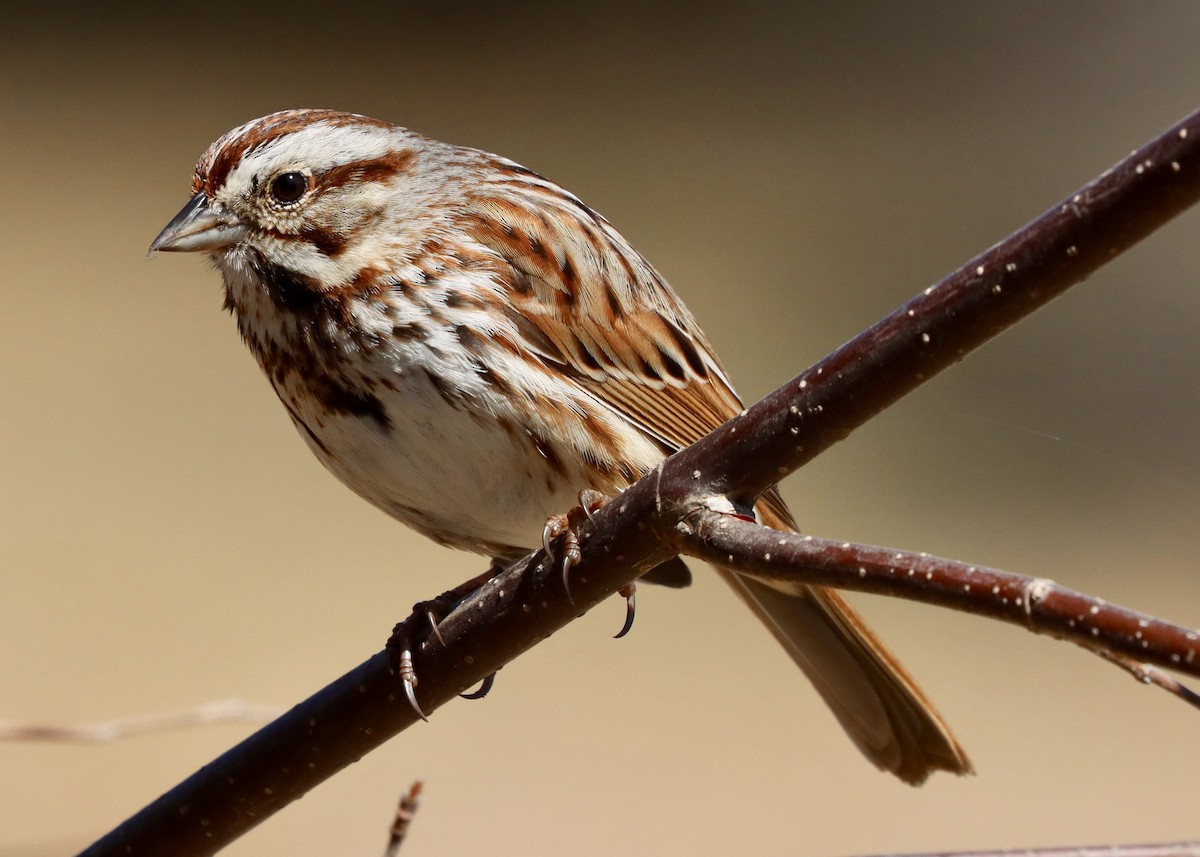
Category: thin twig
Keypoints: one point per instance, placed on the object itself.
(206, 714)
(410, 802)
(1147, 674)
(1166, 849)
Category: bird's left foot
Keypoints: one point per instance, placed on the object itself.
(400, 644)
(565, 527)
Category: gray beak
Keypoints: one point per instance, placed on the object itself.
(199, 227)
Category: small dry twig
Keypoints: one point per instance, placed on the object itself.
(1168, 849)
(205, 714)
(410, 802)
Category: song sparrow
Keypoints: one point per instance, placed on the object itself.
(467, 345)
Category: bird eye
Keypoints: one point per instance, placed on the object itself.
(289, 187)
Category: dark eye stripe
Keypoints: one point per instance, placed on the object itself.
(230, 150)
(369, 170)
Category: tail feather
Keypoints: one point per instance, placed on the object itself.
(875, 700)
(878, 704)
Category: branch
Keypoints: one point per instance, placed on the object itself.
(1035, 603)
(523, 606)
(406, 810)
(947, 321)
(1166, 849)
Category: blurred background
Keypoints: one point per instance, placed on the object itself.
(796, 170)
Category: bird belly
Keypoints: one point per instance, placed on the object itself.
(461, 476)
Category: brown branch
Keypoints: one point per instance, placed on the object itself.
(1128, 638)
(406, 810)
(1165, 849)
(1146, 674)
(364, 708)
(947, 321)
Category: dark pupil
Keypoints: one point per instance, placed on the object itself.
(289, 187)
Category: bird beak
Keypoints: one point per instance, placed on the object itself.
(199, 227)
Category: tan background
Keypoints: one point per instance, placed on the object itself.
(795, 170)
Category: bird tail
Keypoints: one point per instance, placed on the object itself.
(878, 704)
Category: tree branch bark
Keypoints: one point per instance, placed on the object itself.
(1166, 849)
(1036, 603)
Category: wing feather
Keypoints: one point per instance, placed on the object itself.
(587, 303)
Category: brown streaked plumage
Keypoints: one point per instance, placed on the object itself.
(467, 345)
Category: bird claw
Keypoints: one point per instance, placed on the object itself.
(484, 688)
(564, 526)
(408, 677)
(556, 525)
(560, 526)
(400, 644)
(428, 612)
(408, 674)
(433, 626)
(590, 502)
(572, 556)
(630, 593)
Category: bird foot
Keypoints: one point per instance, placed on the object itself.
(564, 527)
(428, 613)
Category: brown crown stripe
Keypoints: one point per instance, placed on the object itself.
(216, 165)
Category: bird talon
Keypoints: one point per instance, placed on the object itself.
(484, 688)
(433, 626)
(591, 501)
(556, 525)
(561, 526)
(630, 593)
(572, 556)
(408, 677)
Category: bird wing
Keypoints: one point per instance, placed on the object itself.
(587, 304)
